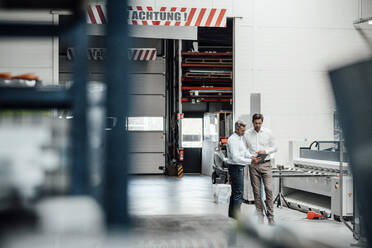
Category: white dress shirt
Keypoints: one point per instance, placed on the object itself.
(262, 140)
(237, 152)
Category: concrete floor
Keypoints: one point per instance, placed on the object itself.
(159, 195)
(172, 212)
(157, 198)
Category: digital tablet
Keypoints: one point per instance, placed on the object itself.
(262, 156)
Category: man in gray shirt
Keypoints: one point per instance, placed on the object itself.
(238, 157)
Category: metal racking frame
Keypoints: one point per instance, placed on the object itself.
(114, 199)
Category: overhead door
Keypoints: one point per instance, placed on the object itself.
(146, 125)
(147, 98)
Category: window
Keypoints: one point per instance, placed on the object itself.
(145, 124)
(192, 132)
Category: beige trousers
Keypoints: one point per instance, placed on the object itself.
(264, 171)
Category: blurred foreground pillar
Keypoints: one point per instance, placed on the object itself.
(116, 167)
(352, 86)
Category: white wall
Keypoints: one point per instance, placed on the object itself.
(283, 50)
(29, 55)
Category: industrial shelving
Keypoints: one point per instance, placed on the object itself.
(206, 77)
(113, 196)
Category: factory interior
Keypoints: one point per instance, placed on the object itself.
(215, 123)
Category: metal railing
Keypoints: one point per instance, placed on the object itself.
(114, 198)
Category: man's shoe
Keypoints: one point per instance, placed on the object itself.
(271, 221)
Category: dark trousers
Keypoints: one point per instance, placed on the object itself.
(237, 188)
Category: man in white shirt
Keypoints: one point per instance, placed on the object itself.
(238, 158)
(260, 140)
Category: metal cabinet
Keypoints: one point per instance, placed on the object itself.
(217, 128)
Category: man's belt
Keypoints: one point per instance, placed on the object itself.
(241, 165)
(266, 161)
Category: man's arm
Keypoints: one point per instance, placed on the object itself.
(247, 154)
(272, 144)
(246, 143)
(235, 154)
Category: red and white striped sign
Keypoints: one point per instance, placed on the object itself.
(135, 54)
(164, 16)
(142, 54)
(97, 14)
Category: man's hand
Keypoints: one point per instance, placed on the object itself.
(261, 152)
(255, 160)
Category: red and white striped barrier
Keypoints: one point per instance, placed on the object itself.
(97, 14)
(142, 54)
(164, 16)
(135, 54)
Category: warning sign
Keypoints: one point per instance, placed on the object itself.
(138, 15)
(164, 16)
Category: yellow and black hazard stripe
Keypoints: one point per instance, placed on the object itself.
(180, 170)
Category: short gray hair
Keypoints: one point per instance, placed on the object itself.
(239, 124)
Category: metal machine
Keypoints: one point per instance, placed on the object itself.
(313, 180)
(220, 168)
(320, 190)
